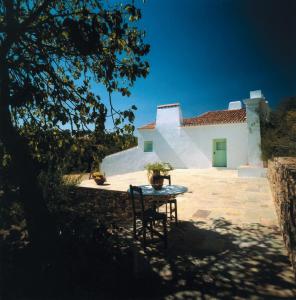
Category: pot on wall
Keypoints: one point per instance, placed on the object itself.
(98, 177)
(100, 180)
(155, 180)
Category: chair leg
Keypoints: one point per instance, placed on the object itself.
(155, 205)
(171, 212)
(144, 233)
(165, 233)
(176, 213)
(166, 208)
(134, 229)
(151, 229)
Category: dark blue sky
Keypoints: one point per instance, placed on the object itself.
(205, 53)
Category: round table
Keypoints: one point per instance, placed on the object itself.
(167, 190)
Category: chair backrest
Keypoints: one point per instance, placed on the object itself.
(133, 191)
(168, 177)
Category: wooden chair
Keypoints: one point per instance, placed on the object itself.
(168, 177)
(173, 212)
(147, 217)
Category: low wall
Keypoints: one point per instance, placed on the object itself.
(282, 178)
(92, 206)
(127, 161)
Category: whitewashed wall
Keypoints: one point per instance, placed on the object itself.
(130, 160)
(183, 147)
(192, 147)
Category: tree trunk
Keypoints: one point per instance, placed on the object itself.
(40, 226)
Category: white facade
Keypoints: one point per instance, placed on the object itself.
(192, 146)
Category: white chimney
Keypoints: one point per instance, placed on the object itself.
(234, 105)
(254, 107)
(256, 94)
(169, 114)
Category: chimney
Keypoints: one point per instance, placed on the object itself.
(169, 115)
(234, 105)
(256, 94)
(253, 112)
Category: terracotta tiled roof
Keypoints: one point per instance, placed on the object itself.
(148, 126)
(217, 117)
(211, 118)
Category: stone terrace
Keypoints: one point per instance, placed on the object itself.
(212, 193)
(226, 246)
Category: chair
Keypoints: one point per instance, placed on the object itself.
(147, 217)
(173, 213)
(168, 177)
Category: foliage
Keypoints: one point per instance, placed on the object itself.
(97, 174)
(53, 60)
(56, 188)
(52, 54)
(59, 48)
(76, 152)
(71, 153)
(160, 167)
(79, 251)
(279, 131)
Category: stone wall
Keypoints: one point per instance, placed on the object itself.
(92, 206)
(282, 178)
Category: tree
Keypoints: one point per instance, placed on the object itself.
(279, 132)
(51, 52)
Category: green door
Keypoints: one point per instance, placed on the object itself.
(219, 153)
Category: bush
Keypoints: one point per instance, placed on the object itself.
(279, 132)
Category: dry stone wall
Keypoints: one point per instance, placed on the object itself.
(282, 178)
(104, 205)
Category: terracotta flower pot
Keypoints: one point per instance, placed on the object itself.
(155, 182)
(100, 180)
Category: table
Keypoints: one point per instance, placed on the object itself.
(167, 190)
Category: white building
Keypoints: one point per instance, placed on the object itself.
(226, 138)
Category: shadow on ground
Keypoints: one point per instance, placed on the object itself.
(221, 261)
(213, 260)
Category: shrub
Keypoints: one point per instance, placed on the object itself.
(279, 131)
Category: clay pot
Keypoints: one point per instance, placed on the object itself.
(100, 180)
(155, 182)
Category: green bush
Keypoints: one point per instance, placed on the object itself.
(279, 131)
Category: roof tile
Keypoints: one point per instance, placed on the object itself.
(211, 118)
(217, 117)
(148, 126)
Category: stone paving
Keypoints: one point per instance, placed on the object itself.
(212, 193)
(227, 245)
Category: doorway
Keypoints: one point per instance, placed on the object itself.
(219, 153)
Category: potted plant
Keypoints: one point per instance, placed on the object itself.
(99, 178)
(154, 170)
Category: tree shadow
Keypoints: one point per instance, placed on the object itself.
(204, 260)
(221, 261)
